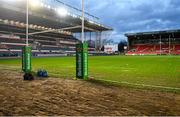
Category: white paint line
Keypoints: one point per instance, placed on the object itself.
(144, 85)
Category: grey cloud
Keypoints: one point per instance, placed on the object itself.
(134, 15)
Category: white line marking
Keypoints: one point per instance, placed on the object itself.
(135, 84)
(144, 85)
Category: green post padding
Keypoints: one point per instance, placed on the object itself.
(82, 61)
(26, 59)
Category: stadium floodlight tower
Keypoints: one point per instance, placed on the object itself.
(82, 53)
(26, 51)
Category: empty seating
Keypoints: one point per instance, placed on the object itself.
(154, 49)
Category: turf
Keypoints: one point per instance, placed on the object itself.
(148, 70)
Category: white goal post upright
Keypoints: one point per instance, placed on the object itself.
(82, 53)
(26, 50)
(82, 34)
(27, 22)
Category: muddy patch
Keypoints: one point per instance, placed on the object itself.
(56, 96)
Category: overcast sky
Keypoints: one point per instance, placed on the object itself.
(134, 15)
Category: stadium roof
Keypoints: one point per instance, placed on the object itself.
(154, 34)
(47, 16)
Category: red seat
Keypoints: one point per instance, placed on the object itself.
(154, 49)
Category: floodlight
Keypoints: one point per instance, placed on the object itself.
(91, 22)
(49, 7)
(34, 3)
(42, 4)
(62, 11)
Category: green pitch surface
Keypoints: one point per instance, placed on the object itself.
(148, 70)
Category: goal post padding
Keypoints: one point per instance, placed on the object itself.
(26, 59)
(82, 60)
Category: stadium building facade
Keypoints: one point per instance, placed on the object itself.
(154, 43)
(50, 29)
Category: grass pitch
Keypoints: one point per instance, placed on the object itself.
(148, 70)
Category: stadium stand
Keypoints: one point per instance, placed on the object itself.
(57, 38)
(154, 43)
(12, 39)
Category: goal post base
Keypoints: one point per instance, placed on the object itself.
(82, 60)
